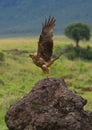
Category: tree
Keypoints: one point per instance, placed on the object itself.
(77, 32)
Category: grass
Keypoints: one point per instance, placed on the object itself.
(18, 74)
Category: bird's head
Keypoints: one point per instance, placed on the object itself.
(33, 55)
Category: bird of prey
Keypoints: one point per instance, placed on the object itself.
(43, 57)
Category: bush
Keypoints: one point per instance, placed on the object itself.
(1, 56)
(70, 52)
(83, 53)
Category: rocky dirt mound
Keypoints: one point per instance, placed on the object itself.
(49, 106)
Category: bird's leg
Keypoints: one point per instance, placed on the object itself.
(45, 70)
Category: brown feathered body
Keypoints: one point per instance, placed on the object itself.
(42, 58)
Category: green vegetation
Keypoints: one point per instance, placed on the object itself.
(18, 74)
(1, 56)
(77, 32)
(75, 53)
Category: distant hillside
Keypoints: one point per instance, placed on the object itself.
(24, 17)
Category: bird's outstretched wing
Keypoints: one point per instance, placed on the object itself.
(45, 44)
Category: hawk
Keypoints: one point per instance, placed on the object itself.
(43, 57)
